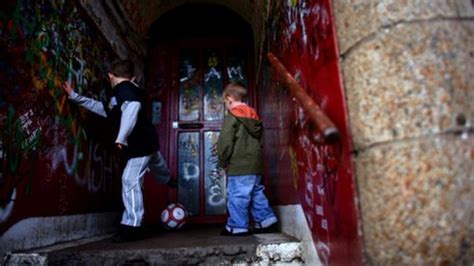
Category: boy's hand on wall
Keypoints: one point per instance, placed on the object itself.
(68, 88)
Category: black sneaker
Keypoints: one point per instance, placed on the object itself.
(119, 238)
(126, 233)
(172, 183)
(225, 232)
(266, 230)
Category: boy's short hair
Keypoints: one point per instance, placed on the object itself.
(122, 68)
(237, 90)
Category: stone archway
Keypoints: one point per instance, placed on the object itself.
(136, 17)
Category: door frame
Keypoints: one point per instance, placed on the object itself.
(175, 46)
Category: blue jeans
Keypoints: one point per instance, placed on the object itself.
(245, 192)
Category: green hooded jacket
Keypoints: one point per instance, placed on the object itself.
(239, 146)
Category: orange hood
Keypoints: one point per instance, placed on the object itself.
(244, 111)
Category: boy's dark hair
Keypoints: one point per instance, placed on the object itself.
(235, 89)
(122, 69)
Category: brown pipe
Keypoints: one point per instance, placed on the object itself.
(323, 124)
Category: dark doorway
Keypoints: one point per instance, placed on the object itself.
(194, 51)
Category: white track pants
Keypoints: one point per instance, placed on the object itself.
(132, 183)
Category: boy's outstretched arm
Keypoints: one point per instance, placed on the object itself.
(88, 103)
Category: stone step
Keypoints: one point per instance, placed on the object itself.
(198, 246)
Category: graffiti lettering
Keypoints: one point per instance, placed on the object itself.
(324, 252)
(235, 73)
(212, 73)
(188, 71)
(77, 68)
(59, 155)
(99, 171)
(190, 171)
(308, 195)
(319, 210)
(215, 176)
(324, 224)
(97, 178)
(216, 197)
(31, 136)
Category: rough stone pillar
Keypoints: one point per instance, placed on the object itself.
(409, 79)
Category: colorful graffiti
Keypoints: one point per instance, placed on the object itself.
(318, 176)
(49, 154)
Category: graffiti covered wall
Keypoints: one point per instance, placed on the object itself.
(53, 156)
(319, 177)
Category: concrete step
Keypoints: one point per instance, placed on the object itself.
(197, 246)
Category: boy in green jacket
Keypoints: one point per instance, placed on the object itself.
(239, 150)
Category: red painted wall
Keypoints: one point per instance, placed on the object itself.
(319, 177)
(53, 160)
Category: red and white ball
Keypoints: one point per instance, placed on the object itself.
(174, 216)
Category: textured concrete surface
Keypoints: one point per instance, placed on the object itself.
(416, 200)
(25, 259)
(408, 74)
(202, 246)
(293, 223)
(356, 20)
(411, 80)
(43, 231)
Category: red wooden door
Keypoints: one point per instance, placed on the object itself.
(198, 72)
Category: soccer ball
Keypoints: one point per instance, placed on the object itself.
(174, 216)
